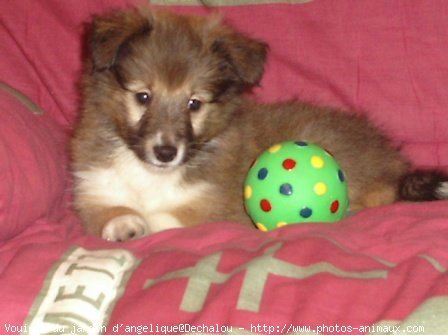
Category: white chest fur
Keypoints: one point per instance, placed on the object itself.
(130, 183)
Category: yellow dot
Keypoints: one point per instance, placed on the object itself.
(261, 226)
(320, 188)
(317, 162)
(247, 192)
(281, 224)
(274, 148)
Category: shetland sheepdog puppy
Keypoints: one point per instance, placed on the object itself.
(166, 133)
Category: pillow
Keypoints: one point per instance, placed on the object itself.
(32, 163)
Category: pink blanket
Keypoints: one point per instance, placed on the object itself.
(379, 271)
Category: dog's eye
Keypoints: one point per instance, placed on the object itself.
(194, 105)
(143, 98)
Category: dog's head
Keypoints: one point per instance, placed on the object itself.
(178, 79)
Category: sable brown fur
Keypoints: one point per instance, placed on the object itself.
(166, 134)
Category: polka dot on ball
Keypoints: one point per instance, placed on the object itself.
(281, 224)
(265, 205)
(341, 176)
(248, 192)
(334, 206)
(306, 212)
(289, 164)
(261, 226)
(274, 148)
(301, 143)
(286, 189)
(317, 162)
(262, 173)
(320, 188)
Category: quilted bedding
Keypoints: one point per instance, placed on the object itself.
(379, 271)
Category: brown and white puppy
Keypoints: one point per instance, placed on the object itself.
(166, 136)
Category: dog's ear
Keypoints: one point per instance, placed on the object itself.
(246, 56)
(109, 34)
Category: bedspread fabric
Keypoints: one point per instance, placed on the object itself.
(379, 271)
(369, 274)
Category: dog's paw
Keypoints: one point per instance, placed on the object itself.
(124, 227)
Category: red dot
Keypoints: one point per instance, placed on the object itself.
(334, 206)
(289, 164)
(265, 205)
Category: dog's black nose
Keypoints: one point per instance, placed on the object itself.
(165, 153)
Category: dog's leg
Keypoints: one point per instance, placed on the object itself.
(120, 224)
(115, 223)
(376, 195)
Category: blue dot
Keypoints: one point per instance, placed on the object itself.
(262, 173)
(286, 189)
(306, 212)
(341, 176)
(301, 143)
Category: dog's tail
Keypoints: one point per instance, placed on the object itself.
(424, 185)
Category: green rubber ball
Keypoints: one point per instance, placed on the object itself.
(295, 182)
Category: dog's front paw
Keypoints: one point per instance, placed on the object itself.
(124, 227)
